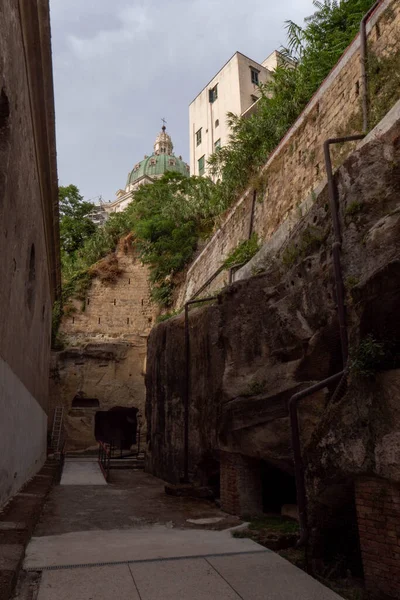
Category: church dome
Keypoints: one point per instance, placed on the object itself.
(161, 161)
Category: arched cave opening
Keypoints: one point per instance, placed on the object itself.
(117, 426)
(278, 489)
(335, 540)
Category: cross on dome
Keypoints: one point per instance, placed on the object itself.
(163, 143)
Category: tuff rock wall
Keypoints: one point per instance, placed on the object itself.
(271, 335)
(105, 342)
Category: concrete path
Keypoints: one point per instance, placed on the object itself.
(160, 563)
(131, 545)
(256, 576)
(79, 472)
(130, 541)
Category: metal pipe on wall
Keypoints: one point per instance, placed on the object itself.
(340, 292)
(337, 243)
(341, 310)
(253, 205)
(296, 447)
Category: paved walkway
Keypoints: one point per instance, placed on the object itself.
(128, 540)
(78, 472)
(259, 576)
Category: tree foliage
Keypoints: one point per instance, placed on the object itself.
(75, 225)
(166, 218)
(311, 52)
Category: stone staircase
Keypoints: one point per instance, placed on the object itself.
(135, 462)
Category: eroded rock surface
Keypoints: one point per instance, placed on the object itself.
(110, 373)
(276, 333)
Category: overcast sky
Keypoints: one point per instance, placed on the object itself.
(122, 65)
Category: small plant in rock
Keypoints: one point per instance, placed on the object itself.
(255, 388)
(311, 240)
(290, 255)
(368, 357)
(354, 208)
(168, 315)
(351, 282)
(384, 80)
(257, 270)
(243, 252)
(161, 293)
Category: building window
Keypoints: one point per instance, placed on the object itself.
(201, 165)
(217, 123)
(213, 93)
(254, 76)
(217, 144)
(171, 162)
(198, 137)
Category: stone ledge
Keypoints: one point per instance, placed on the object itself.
(17, 521)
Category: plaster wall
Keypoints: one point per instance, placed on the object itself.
(29, 265)
(23, 434)
(295, 171)
(26, 286)
(235, 91)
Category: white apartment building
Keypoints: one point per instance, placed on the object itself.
(233, 89)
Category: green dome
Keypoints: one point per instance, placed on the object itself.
(156, 165)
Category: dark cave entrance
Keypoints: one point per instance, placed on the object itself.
(278, 488)
(117, 426)
(335, 541)
(209, 473)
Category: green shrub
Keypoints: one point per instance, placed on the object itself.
(384, 82)
(167, 316)
(243, 252)
(165, 220)
(370, 356)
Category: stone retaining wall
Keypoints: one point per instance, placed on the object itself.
(296, 170)
(378, 511)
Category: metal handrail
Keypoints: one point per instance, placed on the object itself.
(104, 459)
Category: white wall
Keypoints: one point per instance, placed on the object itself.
(203, 114)
(23, 433)
(235, 91)
(247, 88)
